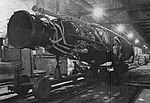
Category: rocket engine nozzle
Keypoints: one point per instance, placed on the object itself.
(27, 31)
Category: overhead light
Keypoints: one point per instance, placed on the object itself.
(120, 28)
(136, 41)
(144, 46)
(98, 12)
(130, 35)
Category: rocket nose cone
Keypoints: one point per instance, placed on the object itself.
(19, 29)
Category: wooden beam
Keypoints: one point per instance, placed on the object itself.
(83, 4)
(128, 22)
(131, 8)
(125, 8)
(145, 27)
(144, 24)
(120, 9)
(147, 32)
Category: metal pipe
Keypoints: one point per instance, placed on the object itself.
(66, 17)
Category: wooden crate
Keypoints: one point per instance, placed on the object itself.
(10, 54)
(48, 63)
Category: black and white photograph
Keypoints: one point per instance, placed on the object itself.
(74, 51)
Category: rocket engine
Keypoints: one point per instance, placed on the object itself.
(64, 38)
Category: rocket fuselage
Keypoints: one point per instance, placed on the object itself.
(64, 38)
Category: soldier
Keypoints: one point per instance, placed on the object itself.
(117, 50)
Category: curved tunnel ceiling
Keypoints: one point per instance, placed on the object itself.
(139, 15)
(117, 11)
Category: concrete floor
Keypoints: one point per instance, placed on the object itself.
(106, 93)
(144, 96)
